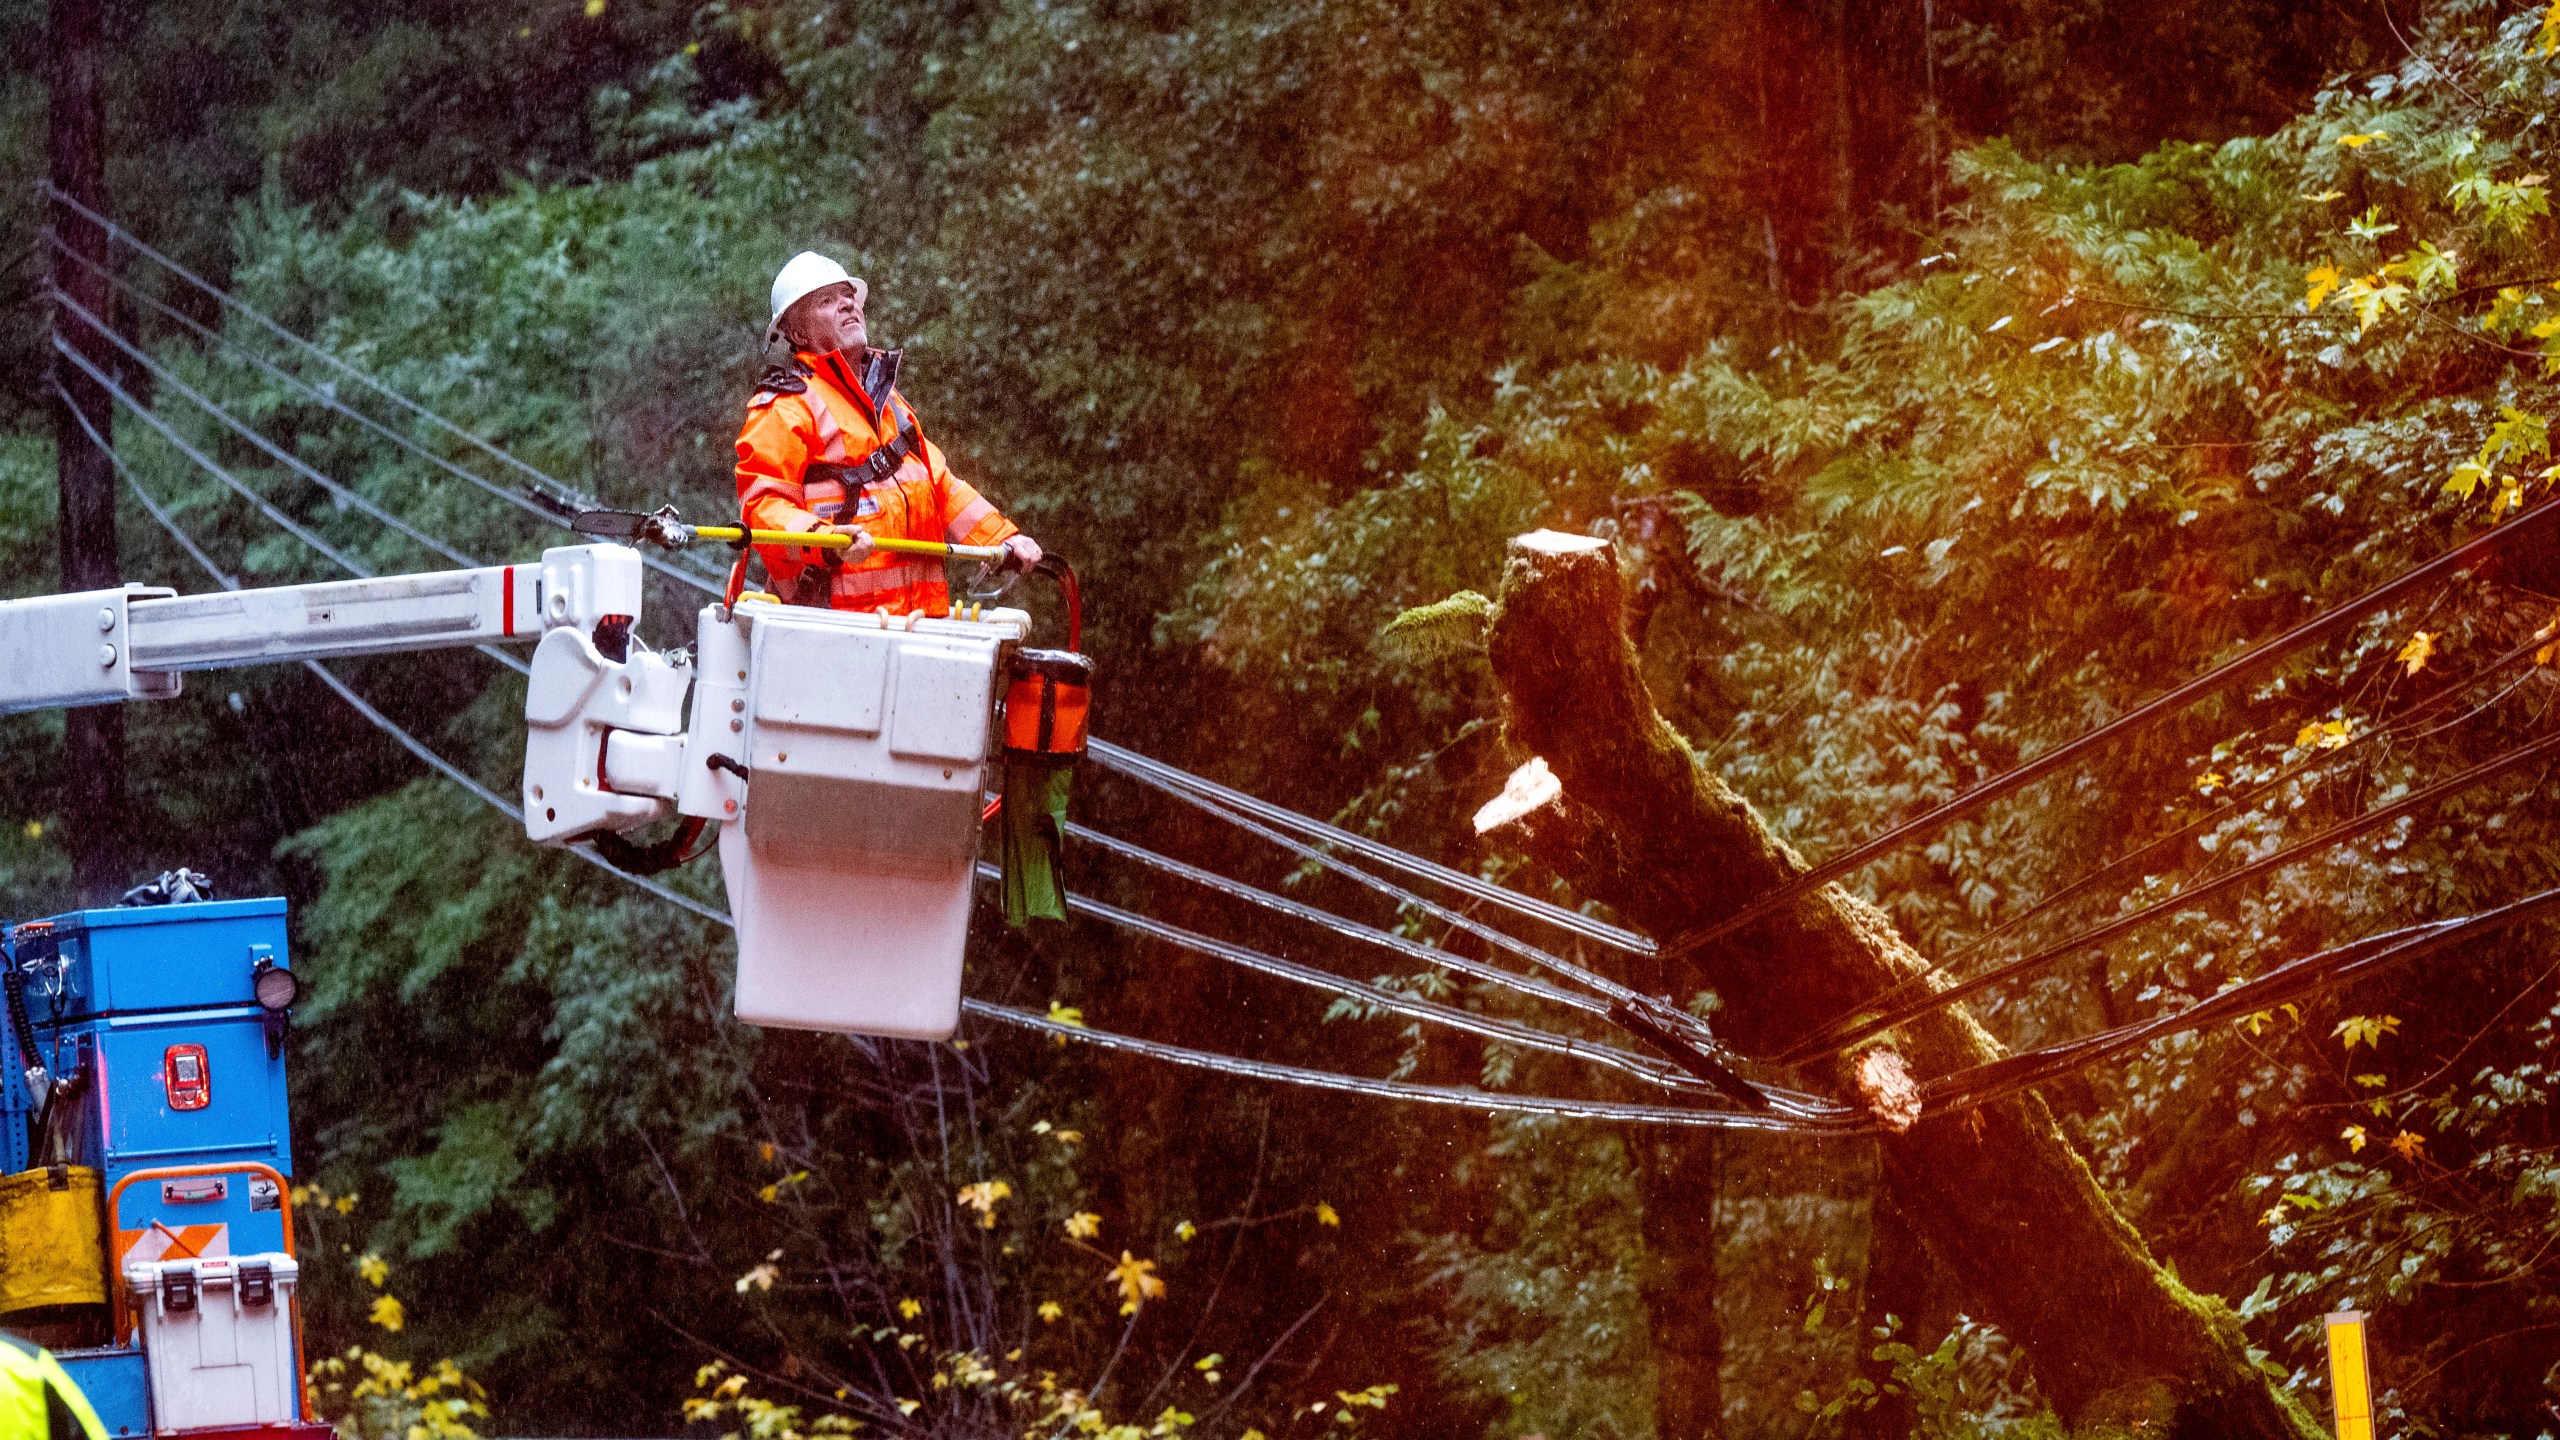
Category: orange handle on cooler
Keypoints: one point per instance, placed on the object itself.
(115, 1223)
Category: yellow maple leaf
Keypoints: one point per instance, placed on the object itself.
(2358, 142)
(910, 1309)
(982, 1197)
(372, 1268)
(1185, 1230)
(1137, 1281)
(2210, 781)
(2355, 1137)
(1050, 1310)
(2323, 283)
(387, 1313)
(1066, 1014)
(344, 1204)
(2414, 655)
(1327, 1215)
(2407, 1144)
(1083, 1225)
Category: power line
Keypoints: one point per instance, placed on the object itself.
(1431, 955)
(248, 432)
(2241, 796)
(1643, 1067)
(1839, 1120)
(1138, 766)
(562, 494)
(2330, 838)
(2312, 974)
(206, 462)
(332, 403)
(1151, 773)
(1965, 1089)
(2327, 622)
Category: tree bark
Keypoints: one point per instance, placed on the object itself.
(1999, 1197)
(93, 741)
(1677, 1179)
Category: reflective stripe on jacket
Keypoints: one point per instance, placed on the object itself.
(793, 455)
(38, 1400)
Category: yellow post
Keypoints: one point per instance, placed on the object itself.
(2350, 1382)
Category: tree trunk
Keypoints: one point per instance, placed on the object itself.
(2009, 1209)
(1676, 1178)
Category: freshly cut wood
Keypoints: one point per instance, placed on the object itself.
(1998, 1195)
(1530, 788)
(1885, 1083)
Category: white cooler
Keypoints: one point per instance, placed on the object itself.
(218, 1336)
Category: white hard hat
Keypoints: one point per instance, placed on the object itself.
(805, 273)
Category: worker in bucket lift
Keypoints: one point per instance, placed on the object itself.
(830, 445)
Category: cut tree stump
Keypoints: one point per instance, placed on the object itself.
(1630, 816)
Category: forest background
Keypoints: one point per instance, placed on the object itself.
(1954, 374)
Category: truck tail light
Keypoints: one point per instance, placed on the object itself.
(188, 1080)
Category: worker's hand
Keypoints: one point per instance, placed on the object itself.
(1021, 553)
(862, 546)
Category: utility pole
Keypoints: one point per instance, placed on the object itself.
(93, 770)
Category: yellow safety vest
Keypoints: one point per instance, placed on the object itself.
(38, 1400)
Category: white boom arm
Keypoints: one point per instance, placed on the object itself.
(864, 738)
(104, 646)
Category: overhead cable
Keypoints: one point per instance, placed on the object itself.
(248, 432)
(2329, 970)
(2335, 835)
(560, 493)
(1589, 979)
(1481, 1100)
(1138, 766)
(152, 507)
(2257, 658)
(1416, 950)
(222, 473)
(333, 404)
(1570, 921)
(1643, 1067)
(2132, 861)
(1960, 1091)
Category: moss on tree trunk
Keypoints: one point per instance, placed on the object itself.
(1998, 1195)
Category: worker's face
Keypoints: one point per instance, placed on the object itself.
(829, 319)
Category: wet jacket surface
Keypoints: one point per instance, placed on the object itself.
(816, 450)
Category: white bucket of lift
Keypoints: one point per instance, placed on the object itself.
(217, 1335)
(850, 875)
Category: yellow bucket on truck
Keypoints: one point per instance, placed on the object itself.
(51, 1249)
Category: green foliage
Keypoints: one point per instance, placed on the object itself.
(1438, 631)
(1280, 317)
(1544, 1310)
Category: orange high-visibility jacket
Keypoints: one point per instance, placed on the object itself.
(806, 458)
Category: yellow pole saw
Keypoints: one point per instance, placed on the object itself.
(664, 528)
